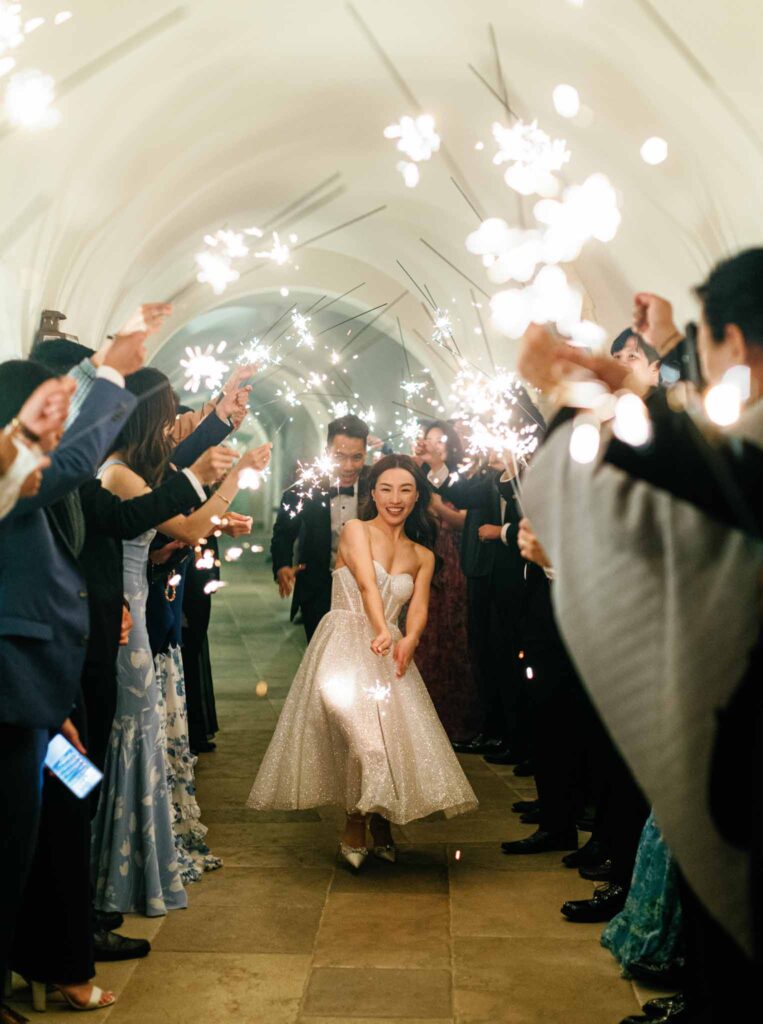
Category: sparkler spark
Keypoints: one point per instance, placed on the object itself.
(11, 28)
(204, 366)
(301, 325)
(254, 353)
(213, 586)
(533, 157)
(442, 331)
(233, 554)
(279, 253)
(29, 98)
(493, 419)
(216, 270)
(378, 691)
(418, 140)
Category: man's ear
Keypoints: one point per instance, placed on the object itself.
(734, 338)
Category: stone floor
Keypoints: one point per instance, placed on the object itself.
(455, 932)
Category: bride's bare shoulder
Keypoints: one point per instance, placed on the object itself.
(425, 557)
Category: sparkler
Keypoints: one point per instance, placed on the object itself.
(213, 586)
(279, 253)
(301, 325)
(418, 140)
(254, 353)
(549, 299)
(216, 270)
(490, 409)
(442, 332)
(29, 98)
(378, 692)
(533, 157)
(204, 366)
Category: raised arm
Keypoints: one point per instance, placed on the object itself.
(355, 553)
(418, 612)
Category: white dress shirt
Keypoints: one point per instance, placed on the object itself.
(344, 507)
(437, 477)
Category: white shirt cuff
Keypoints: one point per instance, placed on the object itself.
(109, 373)
(196, 485)
(550, 573)
(504, 533)
(26, 461)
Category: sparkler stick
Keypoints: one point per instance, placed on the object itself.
(350, 318)
(485, 338)
(346, 224)
(437, 350)
(274, 220)
(497, 95)
(339, 297)
(454, 267)
(370, 323)
(405, 350)
(474, 209)
(498, 68)
(415, 283)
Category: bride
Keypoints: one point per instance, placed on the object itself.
(358, 728)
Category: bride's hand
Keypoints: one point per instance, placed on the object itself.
(403, 654)
(382, 643)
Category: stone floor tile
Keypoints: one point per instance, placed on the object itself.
(537, 981)
(343, 991)
(216, 988)
(254, 924)
(419, 869)
(384, 930)
(517, 904)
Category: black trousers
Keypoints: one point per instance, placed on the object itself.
(722, 983)
(202, 722)
(313, 609)
(22, 752)
(99, 692)
(622, 810)
(558, 710)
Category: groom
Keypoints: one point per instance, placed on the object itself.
(316, 528)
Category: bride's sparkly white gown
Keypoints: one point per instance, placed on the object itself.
(354, 735)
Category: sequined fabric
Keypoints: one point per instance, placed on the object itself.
(353, 735)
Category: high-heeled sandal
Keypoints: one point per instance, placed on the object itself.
(40, 998)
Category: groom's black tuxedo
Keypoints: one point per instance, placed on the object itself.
(310, 529)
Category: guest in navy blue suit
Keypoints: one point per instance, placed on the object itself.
(44, 622)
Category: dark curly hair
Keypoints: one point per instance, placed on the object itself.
(421, 525)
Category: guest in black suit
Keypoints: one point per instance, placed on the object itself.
(492, 494)
(315, 524)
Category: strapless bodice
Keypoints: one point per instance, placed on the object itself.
(395, 591)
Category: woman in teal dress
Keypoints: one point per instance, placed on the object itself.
(647, 931)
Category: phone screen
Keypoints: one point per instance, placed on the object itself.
(68, 765)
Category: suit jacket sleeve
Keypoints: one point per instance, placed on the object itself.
(107, 514)
(211, 431)
(471, 493)
(84, 444)
(722, 477)
(285, 532)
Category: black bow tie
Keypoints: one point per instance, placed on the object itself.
(334, 492)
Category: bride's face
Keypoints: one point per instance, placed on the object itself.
(395, 495)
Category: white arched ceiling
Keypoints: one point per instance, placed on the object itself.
(180, 118)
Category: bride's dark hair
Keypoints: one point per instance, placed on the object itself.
(421, 525)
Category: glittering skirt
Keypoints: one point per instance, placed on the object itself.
(353, 735)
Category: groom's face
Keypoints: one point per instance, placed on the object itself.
(349, 455)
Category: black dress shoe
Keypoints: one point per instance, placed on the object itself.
(657, 1008)
(585, 824)
(597, 872)
(531, 817)
(665, 976)
(541, 842)
(524, 770)
(107, 920)
(523, 806)
(481, 744)
(505, 756)
(110, 946)
(607, 901)
(206, 747)
(675, 1011)
(592, 853)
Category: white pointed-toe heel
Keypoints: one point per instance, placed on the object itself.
(388, 852)
(355, 856)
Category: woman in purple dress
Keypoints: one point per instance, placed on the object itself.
(442, 656)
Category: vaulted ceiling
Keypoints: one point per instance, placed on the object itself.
(181, 118)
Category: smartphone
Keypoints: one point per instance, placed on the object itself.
(68, 765)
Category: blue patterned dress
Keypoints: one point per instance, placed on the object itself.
(648, 928)
(134, 858)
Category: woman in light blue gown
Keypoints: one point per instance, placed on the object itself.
(135, 861)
